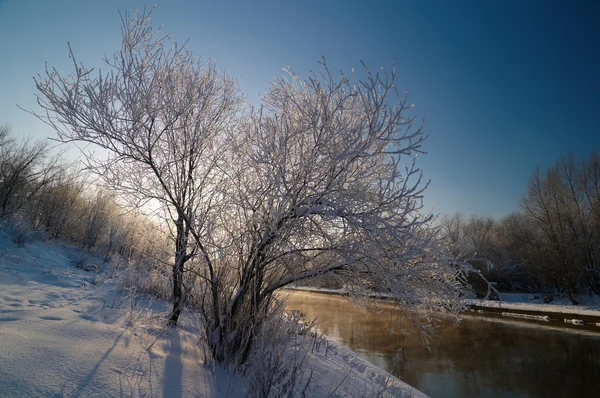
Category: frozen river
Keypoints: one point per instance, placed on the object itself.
(485, 356)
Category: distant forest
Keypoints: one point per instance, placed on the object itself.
(551, 246)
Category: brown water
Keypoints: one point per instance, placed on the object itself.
(482, 357)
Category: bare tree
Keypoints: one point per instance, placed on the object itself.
(321, 179)
(591, 202)
(562, 204)
(158, 111)
(27, 167)
(452, 232)
(513, 238)
(57, 207)
(19, 170)
(472, 241)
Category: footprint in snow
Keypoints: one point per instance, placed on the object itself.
(51, 318)
(11, 299)
(153, 355)
(10, 319)
(361, 368)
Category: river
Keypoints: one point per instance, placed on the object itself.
(484, 356)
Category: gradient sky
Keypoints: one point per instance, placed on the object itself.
(503, 86)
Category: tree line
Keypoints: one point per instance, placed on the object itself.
(42, 196)
(551, 245)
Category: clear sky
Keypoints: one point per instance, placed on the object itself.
(504, 86)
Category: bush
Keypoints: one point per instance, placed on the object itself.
(144, 277)
(21, 231)
(276, 365)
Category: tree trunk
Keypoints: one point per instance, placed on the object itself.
(180, 259)
(572, 297)
(177, 292)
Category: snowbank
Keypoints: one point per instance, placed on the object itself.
(340, 372)
(589, 306)
(67, 332)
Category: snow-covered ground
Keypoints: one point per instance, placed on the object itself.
(65, 332)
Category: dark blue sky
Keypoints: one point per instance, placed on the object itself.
(504, 86)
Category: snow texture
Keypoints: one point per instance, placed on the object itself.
(65, 332)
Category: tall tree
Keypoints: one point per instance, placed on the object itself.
(158, 112)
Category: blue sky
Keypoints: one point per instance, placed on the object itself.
(503, 86)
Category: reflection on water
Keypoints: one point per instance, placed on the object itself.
(482, 357)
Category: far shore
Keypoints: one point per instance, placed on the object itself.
(512, 304)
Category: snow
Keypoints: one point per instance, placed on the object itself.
(342, 373)
(525, 316)
(61, 335)
(67, 332)
(589, 305)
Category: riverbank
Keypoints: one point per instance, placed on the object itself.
(523, 304)
(588, 311)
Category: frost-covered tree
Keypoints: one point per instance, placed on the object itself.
(158, 112)
(321, 179)
(324, 181)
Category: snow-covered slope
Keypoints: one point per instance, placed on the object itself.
(65, 332)
(63, 336)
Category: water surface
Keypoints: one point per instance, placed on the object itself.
(484, 356)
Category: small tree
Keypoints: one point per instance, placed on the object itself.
(55, 207)
(452, 232)
(321, 179)
(26, 167)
